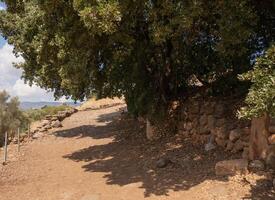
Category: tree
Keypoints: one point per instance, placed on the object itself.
(11, 117)
(260, 102)
(145, 50)
(261, 96)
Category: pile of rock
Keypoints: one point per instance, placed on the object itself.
(215, 119)
(50, 122)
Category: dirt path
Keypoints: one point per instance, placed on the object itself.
(98, 157)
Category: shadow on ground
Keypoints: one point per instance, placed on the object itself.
(130, 158)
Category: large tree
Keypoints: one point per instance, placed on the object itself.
(145, 50)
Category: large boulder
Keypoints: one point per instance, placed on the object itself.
(231, 167)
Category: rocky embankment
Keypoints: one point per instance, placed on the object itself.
(50, 122)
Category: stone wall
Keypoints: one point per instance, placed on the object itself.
(50, 122)
(213, 121)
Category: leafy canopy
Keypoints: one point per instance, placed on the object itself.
(261, 96)
(145, 50)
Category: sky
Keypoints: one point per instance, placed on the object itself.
(10, 77)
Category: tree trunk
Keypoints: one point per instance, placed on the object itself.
(258, 144)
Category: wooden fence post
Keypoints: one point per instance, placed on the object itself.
(18, 139)
(6, 147)
(29, 131)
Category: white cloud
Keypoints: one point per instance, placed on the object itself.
(27, 93)
(11, 82)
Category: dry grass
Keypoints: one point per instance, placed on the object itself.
(101, 103)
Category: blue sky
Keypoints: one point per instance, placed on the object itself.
(10, 77)
(2, 41)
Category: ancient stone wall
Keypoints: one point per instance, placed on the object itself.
(214, 121)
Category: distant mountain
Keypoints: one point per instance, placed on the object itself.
(35, 105)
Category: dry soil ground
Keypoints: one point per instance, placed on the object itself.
(99, 156)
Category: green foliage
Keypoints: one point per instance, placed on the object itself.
(39, 114)
(261, 96)
(144, 50)
(11, 117)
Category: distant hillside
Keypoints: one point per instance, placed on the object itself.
(34, 105)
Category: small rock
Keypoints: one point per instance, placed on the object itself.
(37, 135)
(48, 117)
(211, 122)
(245, 153)
(256, 165)
(188, 126)
(231, 167)
(194, 108)
(45, 122)
(270, 161)
(221, 122)
(56, 124)
(203, 120)
(221, 142)
(238, 146)
(221, 133)
(48, 126)
(203, 130)
(272, 121)
(209, 108)
(246, 131)
(54, 118)
(43, 129)
(196, 158)
(219, 110)
(39, 126)
(234, 135)
(271, 139)
(181, 124)
(210, 145)
(163, 162)
(272, 129)
(229, 146)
